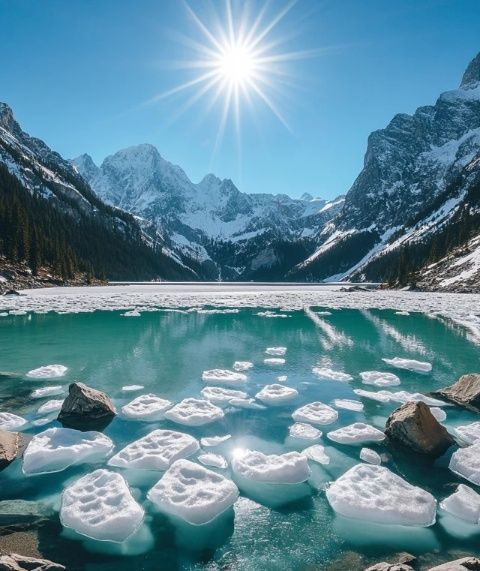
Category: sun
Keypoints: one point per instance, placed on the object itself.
(236, 65)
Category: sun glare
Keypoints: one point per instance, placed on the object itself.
(237, 65)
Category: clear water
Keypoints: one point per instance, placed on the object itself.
(167, 352)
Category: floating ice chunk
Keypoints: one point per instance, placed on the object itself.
(278, 351)
(193, 493)
(466, 463)
(215, 460)
(247, 403)
(58, 448)
(468, 433)
(402, 313)
(132, 388)
(439, 414)
(194, 412)
(50, 406)
(132, 313)
(374, 493)
(282, 379)
(348, 404)
(304, 431)
(276, 394)
(370, 456)
(372, 395)
(156, 451)
(315, 413)
(214, 440)
(317, 453)
(100, 506)
(405, 396)
(331, 375)
(220, 396)
(356, 433)
(242, 365)
(223, 376)
(10, 421)
(47, 392)
(464, 504)
(149, 408)
(274, 361)
(379, 378)
(271, 314)
(41, 421)
(288, 468)
(48, 372)
(323, 312)
(409, 364)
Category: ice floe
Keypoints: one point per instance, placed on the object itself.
(409, 364)
(132, 388)
(276, 394)
(221, 396)
(277, 351)
(288, 468)
(271, 314)
(58, 448)
(464, 504)
(47, 372)
(41, 421)
(282, 378)
(439, 413)
(379, 378)
(50, 406)
(304, 431)
(10, 421)
(374, 493)
(100, 506)
(247, 403)
(274, 361)
(315, 413)
(47, 392)
(209, 441)
(148, 408)
(399, 396)
(327, 374)
(155, 451)
(348, 404)
(402, 313)
(193, 493)
(316, 453)
(370, 456)
(215, 460)
(356, 433)
(223, 376)
(372, 395)
(468, 433)
(132, 313)
(242, 365)
(194, 412)
(466, 463)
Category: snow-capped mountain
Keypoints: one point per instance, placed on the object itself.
(233, 234)
(417, 175)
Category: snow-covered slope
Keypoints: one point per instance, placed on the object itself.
(237, 233)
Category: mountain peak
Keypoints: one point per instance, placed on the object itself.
(7, 120)
(472, 73)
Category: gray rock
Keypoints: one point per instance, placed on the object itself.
(19, 511)
(464, 564)
(15, 562)
(390, 567)
(465, 392)
(85, 406)
(10, 447)
(414, 426)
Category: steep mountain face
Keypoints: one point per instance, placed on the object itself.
(417, 174)
(232, 234)
(49, 216)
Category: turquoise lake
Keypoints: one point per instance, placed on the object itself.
(166, 352)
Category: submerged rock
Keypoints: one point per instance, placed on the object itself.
(464, 564)
(465, 392)
(85, 405)
(414, 426)
(16, 562)
(10, 447)
(21, 511)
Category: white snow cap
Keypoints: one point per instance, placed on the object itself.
(221, 396)
(464, 504)
(288, 468)
(316, 453)
(155, 451)
(370, 456)
(468, 433)
(274, 361)
(409, 364)
(58, 448)
(209, 441)
(379, 378)
(242, 365)
(304, 431)
(279, 351)
(348, 404)
(50, 406)
(330, 375)
(466, 463)
(221, 376)
(10, 421)
(194, 412)
(276, 394)
(356, 433)
(47, 392)
(47, 372)
(374, 493)
(315, 413)
(100, 505)
(211, 459)
(149, 408)
(193, 493)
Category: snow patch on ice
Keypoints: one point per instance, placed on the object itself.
(288, 468)
(348, 404)
(379, 379)
(194, 412)
(10, 421)
(47, 372)
(356, 433)
(278, 351)
(409, 364)
(317, 453)
(466, 463)
(276, 394)
(468, 433)
(215, 460)
(47, 392)
(327, 374)
(223, 376)
(221, 396)
(209, 441)
(464, 504)
(304, 431)
(370, 456)
(315, 413)
(148, 408)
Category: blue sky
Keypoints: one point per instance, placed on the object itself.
(78, 73)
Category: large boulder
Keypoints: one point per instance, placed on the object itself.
(10, 447)
(85, 406)
(465, 392)
(464, 564)
(15, 562)
(414, 426)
